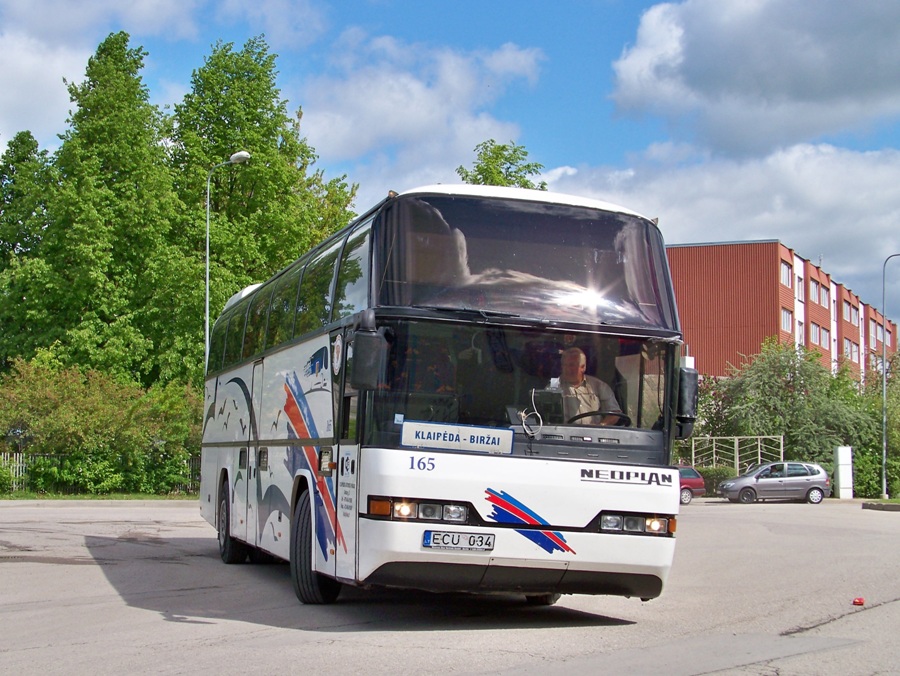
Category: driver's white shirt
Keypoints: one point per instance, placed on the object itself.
(591, 395)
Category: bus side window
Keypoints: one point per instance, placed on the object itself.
(255, 337)
(352, 291)
(217, 345)
(314, 302)
(234, 339)
(284, 306)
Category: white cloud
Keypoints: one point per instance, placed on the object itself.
(409, 113)
(286, 23)
(44, 41)
(754, 75)
(33, 96)
(817, 199)
(85, 22)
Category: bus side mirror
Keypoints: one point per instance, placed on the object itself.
(686, 412)
(369, 355)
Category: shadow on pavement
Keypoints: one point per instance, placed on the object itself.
(184, 580)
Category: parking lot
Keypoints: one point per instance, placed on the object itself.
(114, 587)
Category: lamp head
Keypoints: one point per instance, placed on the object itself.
(239, 157)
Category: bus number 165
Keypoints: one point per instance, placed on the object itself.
(421, 464)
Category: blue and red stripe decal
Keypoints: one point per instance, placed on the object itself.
(302, 425)
(509, 510)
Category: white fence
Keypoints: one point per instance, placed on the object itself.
(736, 452)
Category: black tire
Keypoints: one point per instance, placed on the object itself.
(686, 496)
(815, 496)
(231, 550)
(541, 599)
(310, 586)
(747, 496)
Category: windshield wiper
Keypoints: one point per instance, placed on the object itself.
(487, 314)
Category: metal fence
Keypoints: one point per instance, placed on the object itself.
(736, 452)
(18, 463)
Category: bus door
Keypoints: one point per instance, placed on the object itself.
(253, 478)
(346, 404)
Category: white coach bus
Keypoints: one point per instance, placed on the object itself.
(392, 409)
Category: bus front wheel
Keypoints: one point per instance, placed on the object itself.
(231, 550)
(310, 586)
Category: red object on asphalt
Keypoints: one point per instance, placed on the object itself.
(859, 601)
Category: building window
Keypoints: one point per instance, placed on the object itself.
(847, 348)
(887, 339)
(824, 296)
(787, 274)
(873, 331)
(814, 291)
(814, 333)
(854, 315)
(880, 330)
(826, 338)
(787, 320)
(854, 353)
(800, 296)
(846, 311)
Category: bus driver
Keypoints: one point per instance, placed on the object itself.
(585, 394)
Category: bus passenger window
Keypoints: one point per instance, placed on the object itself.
(217, 345)
(314, 303)
(234, 340)
(284, 304)
(352, 291)
(255, 338)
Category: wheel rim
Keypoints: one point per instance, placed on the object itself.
(815, 496)
(747, 496)
(686, 495)
(223, 510)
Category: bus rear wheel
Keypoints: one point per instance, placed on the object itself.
(231, 550)
(311, 587)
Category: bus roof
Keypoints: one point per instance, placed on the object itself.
(519, 194)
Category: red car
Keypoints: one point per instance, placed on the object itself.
(692, 483)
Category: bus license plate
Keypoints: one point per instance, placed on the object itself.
(437, 539)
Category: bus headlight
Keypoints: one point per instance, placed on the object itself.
(455, 513)
(611, 522)
(637, 524)
(404, 509)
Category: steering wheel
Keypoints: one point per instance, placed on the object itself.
(623, 421)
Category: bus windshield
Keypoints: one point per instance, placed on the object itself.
(529, 259)
(459, 373)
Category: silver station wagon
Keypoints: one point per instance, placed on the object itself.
(778, 481)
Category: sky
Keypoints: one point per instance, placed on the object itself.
(729, 120)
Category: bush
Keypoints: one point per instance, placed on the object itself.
(6, 478)
(89, 432)
(712, 476)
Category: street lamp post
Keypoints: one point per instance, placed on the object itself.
(238, 158)
(884, 492)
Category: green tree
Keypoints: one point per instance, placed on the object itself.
(502, 164)
(26, 187)
(263, 214)
(867, 464)
(104, 253)
(785, 390)
(25, 183)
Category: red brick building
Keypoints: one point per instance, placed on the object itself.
(733, 295)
